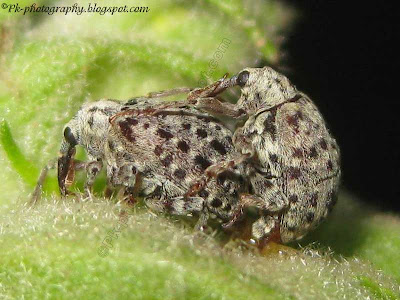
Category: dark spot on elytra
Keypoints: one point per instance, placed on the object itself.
(333, 145)
(273, 158)
(201, 133)
(91, 122)
(94, 109)
(329, 165)
(323, 144)
(132, 121)
(107, 110)
(293, 198)
(313, 152)
(217, 127)
(133, 169)
(294, 172)
(291, 228)
(229, 139)
(235, 194)
(186, 126)
(167, 160)
(293, 120)
(126, 131)
(216, 203)
(158, 150)
(164, 134)
(202, 162)
(127, 156)
(203, 194)
(269, 126)
(146, 125)
(310, 216)
(218, 146)
(314, 199)
(227, 207)
(183, 146)
(179, 173)
(111, 145)
(222, 178)
(298, 153)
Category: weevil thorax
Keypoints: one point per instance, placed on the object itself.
(89, 127)
(263, 88)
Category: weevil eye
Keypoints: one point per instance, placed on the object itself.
(69, 136)
(242, 78)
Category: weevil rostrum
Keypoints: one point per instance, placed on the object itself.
(155, 154)
(293, 162)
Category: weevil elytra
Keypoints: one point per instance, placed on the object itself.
(293, 162)
(155, 154)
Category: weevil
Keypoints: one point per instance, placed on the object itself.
(293, 162)
(155, 154)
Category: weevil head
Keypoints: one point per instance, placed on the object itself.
(88, 128)
(262, 88)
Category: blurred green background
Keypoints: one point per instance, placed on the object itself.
(51, 64)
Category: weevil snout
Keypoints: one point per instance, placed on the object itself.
(66, 170)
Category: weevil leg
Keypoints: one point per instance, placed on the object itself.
(181, 206)
(214, 106)
(274, 201)
(92, 170)
(129, 196)
(212, 89)
(214, 170)
(235, 218)
(201, 223)
(209, 104)
(42, 177)
(267, 195)
(171, 92)
(266, 229)
(130, 181)
(274, 205)
(109, 190)
(76, 165)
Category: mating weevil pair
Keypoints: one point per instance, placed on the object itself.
(283, 151)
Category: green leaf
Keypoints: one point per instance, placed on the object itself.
(22, 165)
(378, 291)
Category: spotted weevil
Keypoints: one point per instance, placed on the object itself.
(157, 154)
(293, 162)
